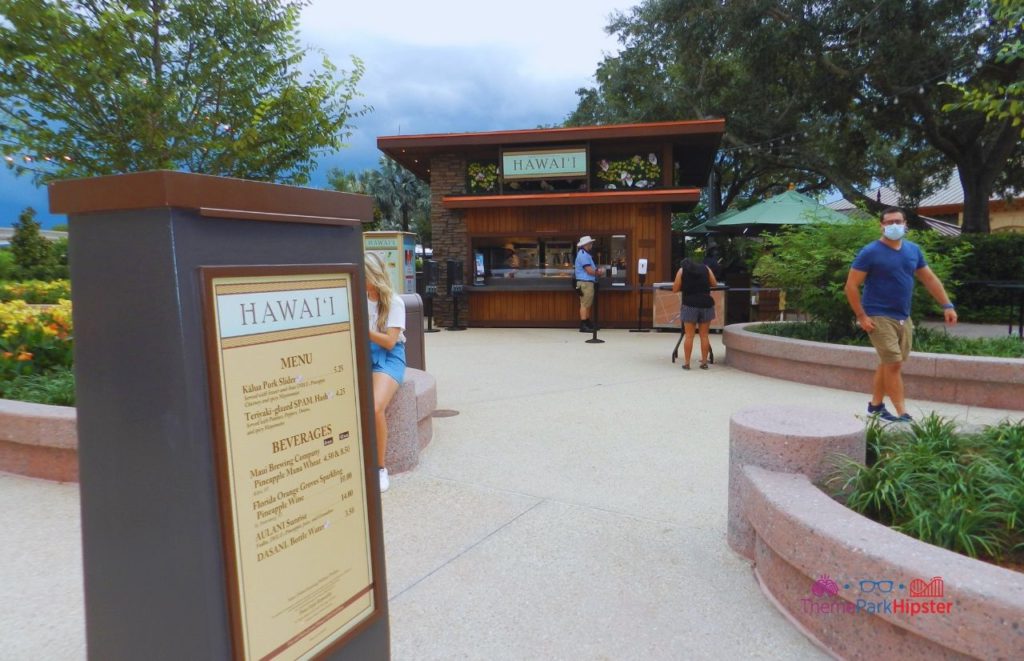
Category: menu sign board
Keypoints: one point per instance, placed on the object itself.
(292, 475)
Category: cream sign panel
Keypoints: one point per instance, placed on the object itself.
(544, 163)
(292, 458)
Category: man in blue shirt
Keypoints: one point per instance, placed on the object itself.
(586, 276)
(887, 268)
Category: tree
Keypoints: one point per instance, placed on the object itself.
(399, 194)
(33, 255)
(401, 200)
(1000, 101)
(839, 95)
(93, 87)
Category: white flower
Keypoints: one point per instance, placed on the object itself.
(479, 176)
(652, 158)
(610, 186)
(628, 180)
(642, 183)
(623, 175)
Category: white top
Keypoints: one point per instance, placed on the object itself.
(396, 315)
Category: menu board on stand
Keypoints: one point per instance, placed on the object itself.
(291, 459)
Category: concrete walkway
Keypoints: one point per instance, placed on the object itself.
(574, 508)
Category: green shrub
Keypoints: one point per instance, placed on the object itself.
(34, 255)
(55, 387)
(926, 340)
(992, 257)
(958, 490)
(8, 267)
(811, 262)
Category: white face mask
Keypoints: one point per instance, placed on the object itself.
(894, 232)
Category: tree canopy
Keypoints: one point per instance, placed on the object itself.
(401, 200)
(1000, 101)
(844, 95)
(93, 87)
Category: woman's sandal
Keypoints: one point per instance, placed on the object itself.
(686, 366)
(703, 366)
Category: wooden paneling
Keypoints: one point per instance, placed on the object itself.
(648, 231)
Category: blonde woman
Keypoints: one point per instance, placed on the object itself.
(387, 350)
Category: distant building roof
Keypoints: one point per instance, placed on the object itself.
(7, 232)
(950, 195)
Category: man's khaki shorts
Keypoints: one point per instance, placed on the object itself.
(587, 289)
(892, 339)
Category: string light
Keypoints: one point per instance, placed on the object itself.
(781, 140)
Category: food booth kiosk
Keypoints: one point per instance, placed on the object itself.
(510, 206)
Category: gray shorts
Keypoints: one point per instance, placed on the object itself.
(690, 315)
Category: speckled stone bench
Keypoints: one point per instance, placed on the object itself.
(38, 440)
(410, 422)
(812, 556)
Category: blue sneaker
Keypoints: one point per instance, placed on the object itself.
(905, 418)
(882, 412)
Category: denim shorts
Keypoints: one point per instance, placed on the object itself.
(387, 362)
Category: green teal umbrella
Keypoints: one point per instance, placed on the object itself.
(789, 208)
(708, 226)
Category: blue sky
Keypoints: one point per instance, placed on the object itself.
(445, 66)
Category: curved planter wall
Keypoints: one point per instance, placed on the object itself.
(38, 440)
(811, 554)
(991, 382)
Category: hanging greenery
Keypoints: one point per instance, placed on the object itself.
(635, 172)
(483, 177)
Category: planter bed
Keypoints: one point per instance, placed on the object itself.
(821, 564)
(971, 380)
(39, 440)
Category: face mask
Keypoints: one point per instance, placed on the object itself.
(894, 232)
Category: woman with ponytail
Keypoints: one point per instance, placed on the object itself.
(387, 350)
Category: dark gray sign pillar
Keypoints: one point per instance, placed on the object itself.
(155, 584)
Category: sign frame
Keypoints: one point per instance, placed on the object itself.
(554, 149)
(365, 429)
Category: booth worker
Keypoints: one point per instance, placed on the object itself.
(586, 276)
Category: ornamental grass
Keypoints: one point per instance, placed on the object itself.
(957, 489)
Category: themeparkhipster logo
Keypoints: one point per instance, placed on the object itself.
(876, 597)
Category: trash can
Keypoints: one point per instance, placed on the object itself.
(415, 354)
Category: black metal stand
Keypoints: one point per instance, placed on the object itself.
(593, 320)
(640, 308)
(456, 289)
(429, 308)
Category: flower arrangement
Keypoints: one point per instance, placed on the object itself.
(34, 339)
(635, 172)
(483, 177)
(35, 291)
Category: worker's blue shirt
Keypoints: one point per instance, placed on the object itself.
(584, 259)
(889, 284)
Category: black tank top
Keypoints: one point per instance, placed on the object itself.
(696, 286)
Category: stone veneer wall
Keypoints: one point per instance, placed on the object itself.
(448, 232)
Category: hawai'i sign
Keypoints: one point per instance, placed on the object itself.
(558, 163)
